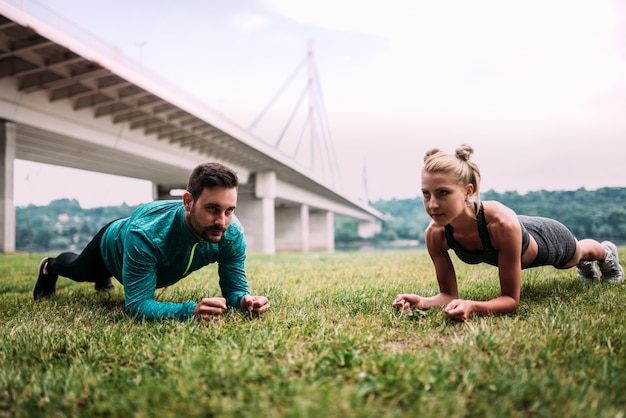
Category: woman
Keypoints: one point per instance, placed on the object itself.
(489, 232)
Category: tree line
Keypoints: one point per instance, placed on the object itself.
(62, 225)
(599, 214)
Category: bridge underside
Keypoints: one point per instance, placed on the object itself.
(276, 215)
(63, 103)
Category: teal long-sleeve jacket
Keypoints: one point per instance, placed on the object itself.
(153, 248)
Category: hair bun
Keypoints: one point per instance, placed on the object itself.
(430, 153)
(464, 152)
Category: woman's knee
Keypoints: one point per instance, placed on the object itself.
(580, 254)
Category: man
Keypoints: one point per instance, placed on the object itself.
(163, 242)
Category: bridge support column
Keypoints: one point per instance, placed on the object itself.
(367, 229)
(7, 205)
(160, 192)
(257, 214)
(322, 227)
(292, 228)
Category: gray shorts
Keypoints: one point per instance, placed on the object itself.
(557, 245)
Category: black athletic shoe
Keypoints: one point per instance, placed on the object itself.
(46, 283)
(104, 285)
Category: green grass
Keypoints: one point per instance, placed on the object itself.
(331, 346)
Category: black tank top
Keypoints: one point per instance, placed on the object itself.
(489, 254)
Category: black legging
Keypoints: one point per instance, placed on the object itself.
(86, 267)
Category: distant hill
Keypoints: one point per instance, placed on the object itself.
(62, 225)
(598, 214)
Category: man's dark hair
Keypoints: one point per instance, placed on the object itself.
(211, 175)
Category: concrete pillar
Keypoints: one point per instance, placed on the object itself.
(305, 228)
(7, 205)
(292, 228)
(322, 231)
(268, 237)
(160, 192)
(256, 212)
(367, 229)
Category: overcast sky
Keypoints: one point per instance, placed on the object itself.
(538, 87)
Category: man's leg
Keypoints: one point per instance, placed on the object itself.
(86, 267)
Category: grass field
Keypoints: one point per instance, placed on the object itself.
(331, 346)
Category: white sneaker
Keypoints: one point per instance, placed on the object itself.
(587, 271)
(611, 270)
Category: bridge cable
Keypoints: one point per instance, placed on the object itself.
(280, 138)
(277, 96)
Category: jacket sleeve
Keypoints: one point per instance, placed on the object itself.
(231, 269)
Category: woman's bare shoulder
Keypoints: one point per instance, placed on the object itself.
(496, 211)
(502, 222)
(435, 237)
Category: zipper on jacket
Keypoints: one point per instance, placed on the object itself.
(193, 250)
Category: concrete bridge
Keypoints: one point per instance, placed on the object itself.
(67, 98)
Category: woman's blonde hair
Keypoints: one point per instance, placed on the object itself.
(459, 166)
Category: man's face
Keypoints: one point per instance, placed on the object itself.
(208, 216)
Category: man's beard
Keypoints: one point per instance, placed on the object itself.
(213, 233)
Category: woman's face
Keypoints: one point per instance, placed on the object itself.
(444, 199)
